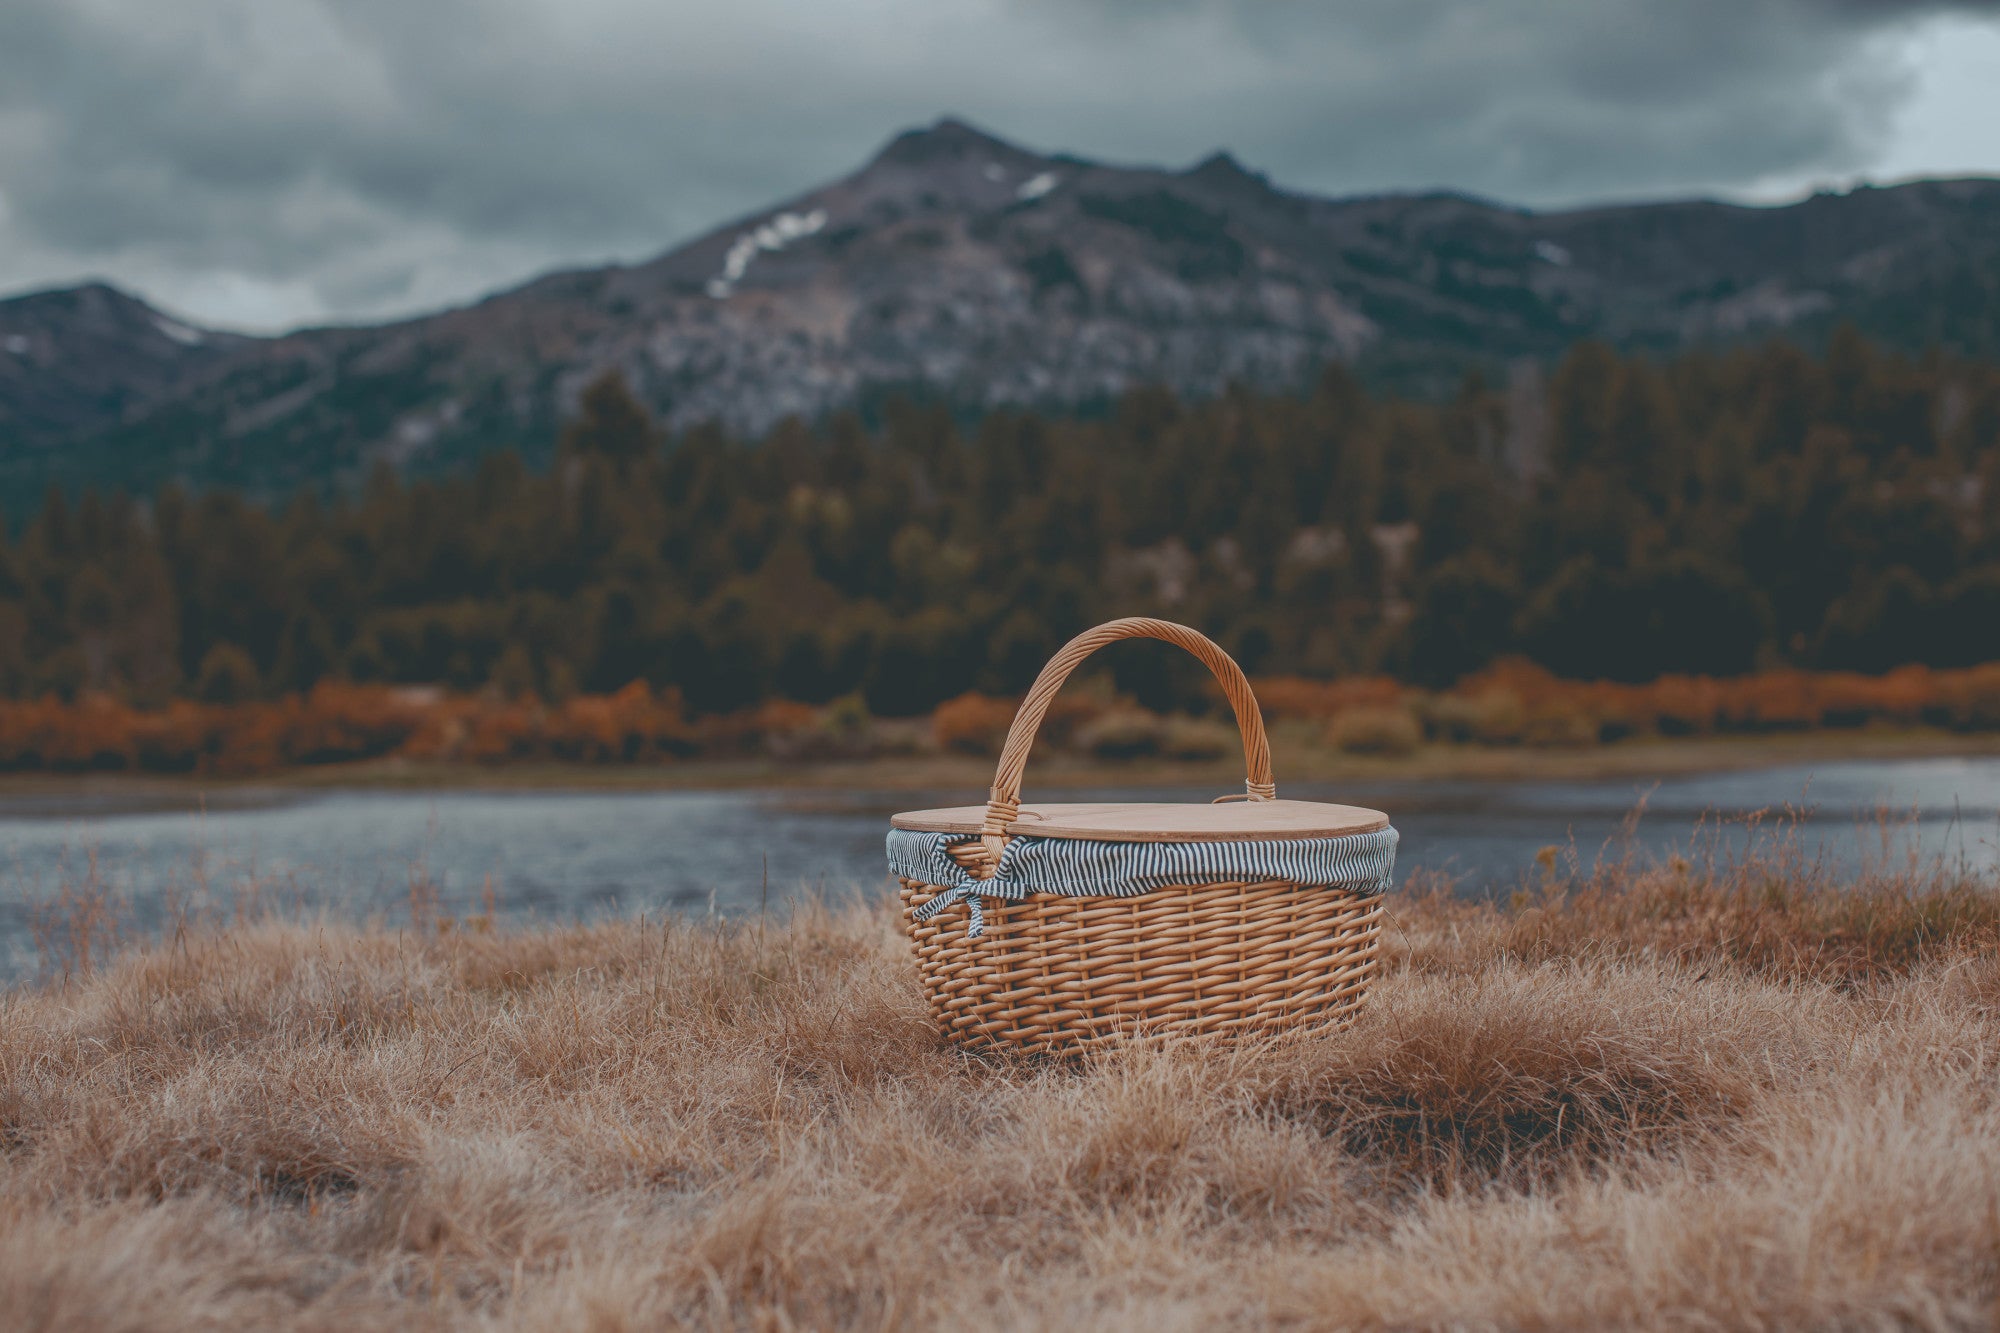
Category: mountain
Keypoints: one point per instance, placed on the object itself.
(968, 269)
(79, 361)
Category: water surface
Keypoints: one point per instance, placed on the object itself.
(567, 855)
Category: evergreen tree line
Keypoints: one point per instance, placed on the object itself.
(1624, 519)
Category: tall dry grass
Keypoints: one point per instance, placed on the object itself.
(1714, 1095)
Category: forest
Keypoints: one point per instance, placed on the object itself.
(1616, 519)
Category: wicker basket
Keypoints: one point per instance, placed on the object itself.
(1048, 927)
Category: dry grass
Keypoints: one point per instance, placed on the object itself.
(1687, 1097)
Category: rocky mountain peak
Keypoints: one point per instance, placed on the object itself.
(1221, 169)
(949, 140)
(71, 357)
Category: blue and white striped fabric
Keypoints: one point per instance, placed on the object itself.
(1080, 868)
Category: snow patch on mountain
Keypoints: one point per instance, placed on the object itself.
(774, 235)
(179, 332)
(1038, 185)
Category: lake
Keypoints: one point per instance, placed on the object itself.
(562, 855)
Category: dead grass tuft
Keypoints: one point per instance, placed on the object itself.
(1747, 899)
(1516, 1075)
(1724, 1095)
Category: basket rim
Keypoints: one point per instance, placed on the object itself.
(1158, 821)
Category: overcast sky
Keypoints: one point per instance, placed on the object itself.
(264, 163)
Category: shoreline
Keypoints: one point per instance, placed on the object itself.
(1294, 762)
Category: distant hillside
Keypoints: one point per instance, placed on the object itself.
(968, 269)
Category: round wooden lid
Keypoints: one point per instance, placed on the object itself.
(1134, 821)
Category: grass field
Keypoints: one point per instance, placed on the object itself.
(1675, 1096)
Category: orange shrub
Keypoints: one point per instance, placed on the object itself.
(1383, 731)
(1845, 699)
(92, 733)
(1685, 705)
(776, 724)
(1558, 725)
(1527, 682)
(1123, 733)
(1905, 693)
(1772, 701)
(339, 721)
(973, 723)
(630, 725)
(1556, 711)
(1298, 697)
(1493, 716)
(503, 729)
(1970, 700)
(177, 739)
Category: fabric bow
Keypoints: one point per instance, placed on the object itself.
(962, 886)
(958, 893)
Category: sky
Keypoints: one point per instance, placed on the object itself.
(262, 164)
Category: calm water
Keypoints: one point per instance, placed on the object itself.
(563, 855)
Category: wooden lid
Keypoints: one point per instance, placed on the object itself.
(1133, 821)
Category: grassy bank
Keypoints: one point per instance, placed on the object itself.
(1676, 1096)
(1297, 753)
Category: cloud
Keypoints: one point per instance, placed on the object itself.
(266, 161)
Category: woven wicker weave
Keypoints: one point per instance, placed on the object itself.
(1055, 972)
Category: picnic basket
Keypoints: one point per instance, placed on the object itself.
(1048, 927)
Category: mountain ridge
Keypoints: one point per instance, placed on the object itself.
(962, 267)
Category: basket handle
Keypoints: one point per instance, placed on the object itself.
(1005, 799)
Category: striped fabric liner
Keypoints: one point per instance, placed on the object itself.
(1082, 869)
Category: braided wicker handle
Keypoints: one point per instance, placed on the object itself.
(1005, 800)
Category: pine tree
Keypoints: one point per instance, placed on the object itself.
(610, 423)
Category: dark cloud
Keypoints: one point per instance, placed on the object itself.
(292, 158)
